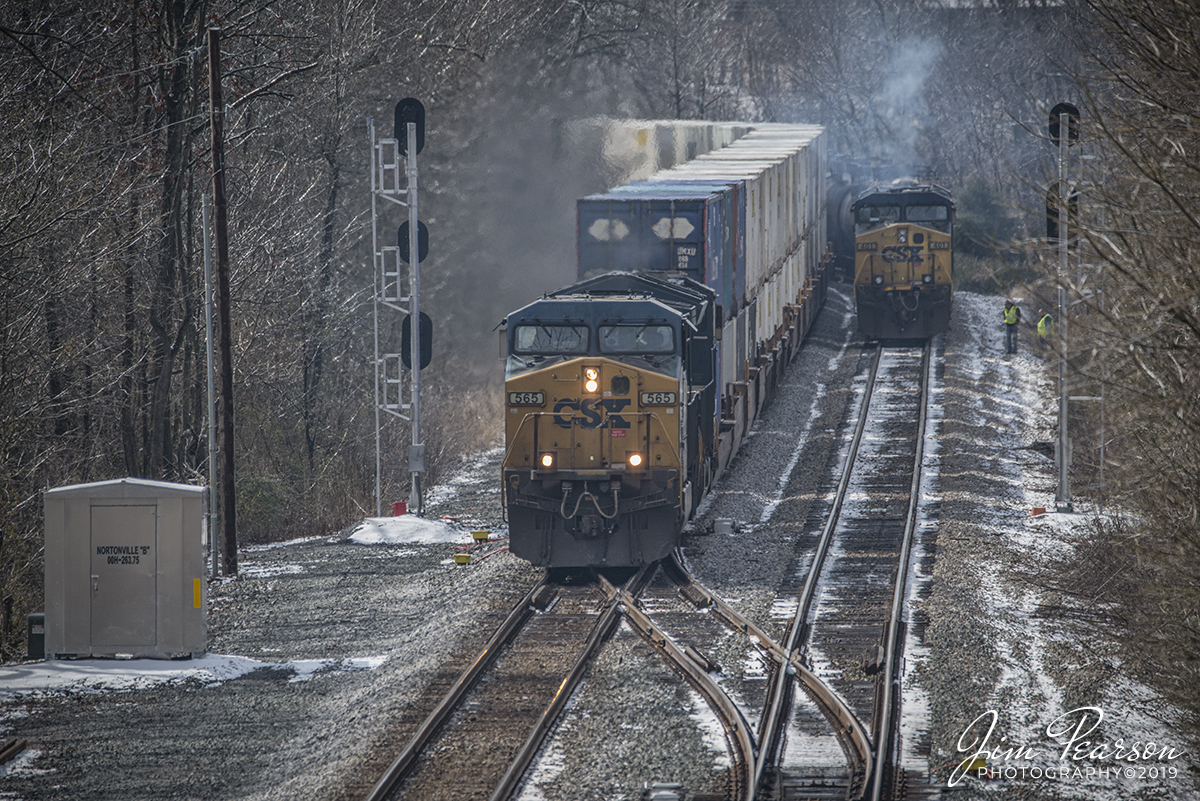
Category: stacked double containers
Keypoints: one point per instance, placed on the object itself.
(633, 150)
(747, 220)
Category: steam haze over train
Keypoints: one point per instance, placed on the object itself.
(938, 92)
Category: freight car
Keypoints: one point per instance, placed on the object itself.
(904, 261)
(628, 392)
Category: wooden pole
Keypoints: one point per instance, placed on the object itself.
(224, 336)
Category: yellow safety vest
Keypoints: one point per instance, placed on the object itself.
(1045, 326)
(1010, 315)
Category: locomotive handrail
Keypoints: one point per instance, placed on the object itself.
(508, 452)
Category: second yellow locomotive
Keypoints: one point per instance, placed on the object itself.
(904, 261)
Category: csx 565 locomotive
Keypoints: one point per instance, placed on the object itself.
(611, 418)
(628, 392)
(904, 260)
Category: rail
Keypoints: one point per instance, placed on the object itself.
(600, 632)
(695, 672)
(773, 712)
(831, 703)
(454, 696)
(405, 764)
(891, 682)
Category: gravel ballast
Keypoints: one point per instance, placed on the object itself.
(410, 612)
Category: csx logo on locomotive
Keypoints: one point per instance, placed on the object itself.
(905, 253)
(593, 413)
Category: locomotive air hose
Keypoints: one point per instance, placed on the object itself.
(595, 501)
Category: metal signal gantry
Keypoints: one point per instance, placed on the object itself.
(398, 289)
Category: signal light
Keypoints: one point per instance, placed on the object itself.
(425, 334)
(409, 110)
(546, 460)
(1072, 112)
(404, 243)
(591, 379)
(634, 460)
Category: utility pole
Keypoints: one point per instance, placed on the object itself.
(416, 451)
(214, 546)
(225, 336)
(1064, 131)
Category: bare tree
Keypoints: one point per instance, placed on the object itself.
(1138, 335)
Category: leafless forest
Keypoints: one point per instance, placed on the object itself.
(106, 160)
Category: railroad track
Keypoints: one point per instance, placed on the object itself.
(469, 746)
(840, 649)
(478, 742)
(847, 591)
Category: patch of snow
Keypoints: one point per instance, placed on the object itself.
(255, 570)
(406, 529)
(307, 668)
(711, 729)
(23, 765)
(69, 676)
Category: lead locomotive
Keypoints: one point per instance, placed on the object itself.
(628, 392)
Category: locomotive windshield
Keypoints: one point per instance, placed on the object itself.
(537, 345)
(878, 215)
(927, 213)
(637, 339)
(933, 215)
(550, 340)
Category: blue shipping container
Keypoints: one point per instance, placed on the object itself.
(696, 228)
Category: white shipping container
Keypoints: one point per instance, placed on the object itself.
(781, 168)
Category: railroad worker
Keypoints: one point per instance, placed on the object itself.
(1045, 326)
(1012, 318)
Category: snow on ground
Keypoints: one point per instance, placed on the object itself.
(1046, 692)
(102, 675)
(406, 530)
(1060, 720)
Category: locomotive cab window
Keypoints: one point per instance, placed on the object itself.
(878, 215)
(653, 339)
(550, 339)
(932, 215)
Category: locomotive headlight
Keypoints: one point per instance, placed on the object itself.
(927, 278)
(879, 279)
(634, 460)
(591, 381)
(546, 460)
